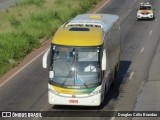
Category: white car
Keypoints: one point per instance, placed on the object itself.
(145, 11)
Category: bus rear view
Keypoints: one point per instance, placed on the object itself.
(80, 72)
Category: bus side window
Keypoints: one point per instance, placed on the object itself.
(114, 33)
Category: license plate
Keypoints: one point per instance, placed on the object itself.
(73, 101)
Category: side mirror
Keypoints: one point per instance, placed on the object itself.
(44, 60)
(104, 60)
(51, 74)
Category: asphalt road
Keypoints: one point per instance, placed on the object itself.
(138, 77)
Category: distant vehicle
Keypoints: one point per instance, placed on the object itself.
(84, 60)
(145, 11)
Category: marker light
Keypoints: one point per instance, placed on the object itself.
(95, 16)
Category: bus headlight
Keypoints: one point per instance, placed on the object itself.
(54, 92)
(95, 93)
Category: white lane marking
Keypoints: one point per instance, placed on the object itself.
(131, 75)
(3, 83)
(101, 6)
(114, 115)
(150, 32)
(142, 49)
(39, 54)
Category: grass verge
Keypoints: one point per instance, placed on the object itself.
(24, 24)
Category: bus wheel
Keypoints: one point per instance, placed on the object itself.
(116, 94)
(104, 97)
(115, 75)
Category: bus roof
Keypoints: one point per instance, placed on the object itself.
(78, 36)
(105, 21)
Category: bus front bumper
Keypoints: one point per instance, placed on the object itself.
(94, 100)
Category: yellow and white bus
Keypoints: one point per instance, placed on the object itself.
(83, 60)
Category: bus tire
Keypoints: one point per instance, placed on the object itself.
(104, 96)
(115, 75)
(116, 94)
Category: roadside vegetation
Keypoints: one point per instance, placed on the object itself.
(28, 23)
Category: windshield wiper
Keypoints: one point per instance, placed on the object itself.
(66, 80)
(71, 77)
(82, 81)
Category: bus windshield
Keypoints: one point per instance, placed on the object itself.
(75, 66)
